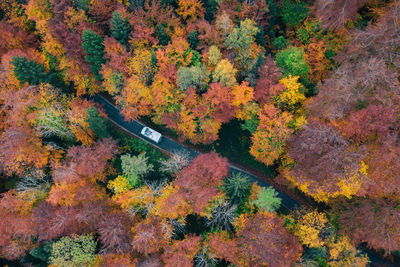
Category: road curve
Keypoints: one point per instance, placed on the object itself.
(170, 146)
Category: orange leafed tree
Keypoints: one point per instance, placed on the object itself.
(181, 253)
(269, 140)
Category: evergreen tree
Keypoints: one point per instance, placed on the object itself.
(237, 187)
(120, 29)
(293, 12)
(28, 70)
(93, 46)
(193, 39)
(96, 123)
(163, 37)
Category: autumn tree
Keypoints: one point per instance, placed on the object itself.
(263, 240)
(334, 14)
(16, 227)
(240, 40)
(194, 76)
(326, 165)
(369, 123)
(92, 44)
(180, 253)
(120, 29)
(268, 83)
(150, 235)
(269, 140)
(202, 177)
(225, 73)
(190, 9)
(114, 233)
(373, 221)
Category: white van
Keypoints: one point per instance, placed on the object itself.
(151, 134)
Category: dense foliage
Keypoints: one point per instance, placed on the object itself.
(310, 89)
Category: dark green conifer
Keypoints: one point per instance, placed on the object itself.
(120, 29)
(93, 46)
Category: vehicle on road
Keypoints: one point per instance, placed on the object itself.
(151, 134)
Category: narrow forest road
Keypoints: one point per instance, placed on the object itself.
(170, 146)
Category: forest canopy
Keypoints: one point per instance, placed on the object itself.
(304, 94)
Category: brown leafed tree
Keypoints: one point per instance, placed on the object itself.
(150, 235)
(114, 233)
(262, 240)
(376, 222)
(326, 165)
(335, 13)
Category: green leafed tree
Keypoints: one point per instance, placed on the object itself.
(97, 123)
(51, 121)
(237, 187)
(73, 251)
(134, 167)
(292, 62)
(193, 39)
(240, 40)
(267, 199)
(160, 33)
(120, 29)
(293, 12)
(28, 71)
(193, 76)
(94, 48)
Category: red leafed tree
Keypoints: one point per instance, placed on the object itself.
(101, 10)
(376, 222)
(12, 37)
(324, 162)
(116, 55)
(181, 253)
(152, 13)
(268, 84)
(221, 246)
(335, 13)
(71, 41)
(16, 228)
(150, 235)
(198, 182)
(219, 99)
(92, 161)
(86, 162)
(369, 122)
(262, 240)
(114, 233)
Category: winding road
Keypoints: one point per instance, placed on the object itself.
(168, 145)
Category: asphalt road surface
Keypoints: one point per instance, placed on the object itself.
(168, 145)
